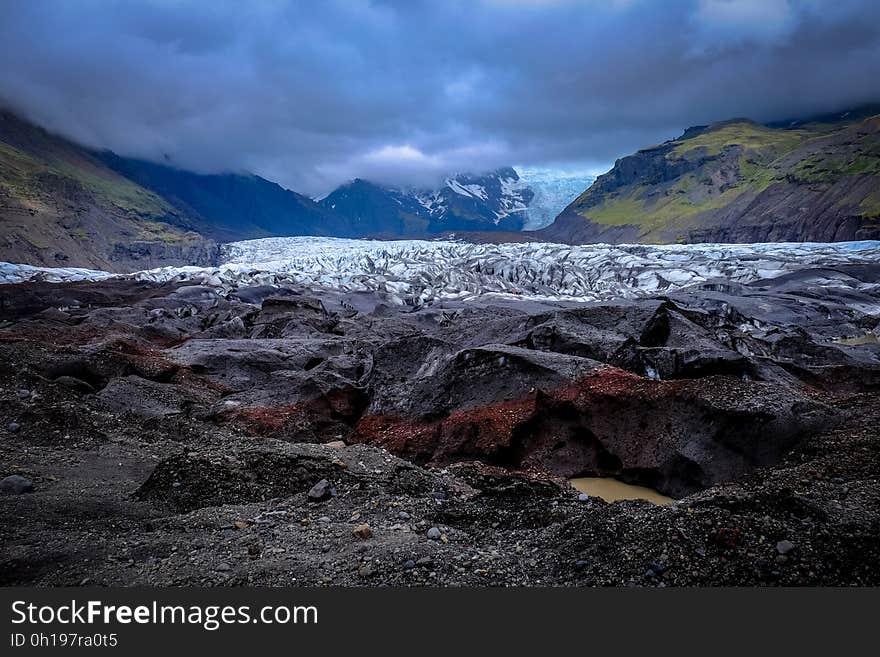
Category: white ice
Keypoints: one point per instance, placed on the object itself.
(415, 272)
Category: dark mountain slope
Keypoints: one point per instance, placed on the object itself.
(232, 206)
(65, 205)
(738, 181)
(61, 206)
(374, 210)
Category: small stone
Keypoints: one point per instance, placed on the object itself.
(784, 547)
(409, 564)
(241, 524)
(222, 567)
(16, 484)
(363, 531)
(425, 561)
(438, 495)
(24, 394)
(403, 515)
(336, 444)
(13, 427)
(320, 491)
(658, 567)
(434, 534)
(365, 570)
(580, 564)
(324, 519)
(583, 497)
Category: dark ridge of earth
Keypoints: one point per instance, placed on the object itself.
(186, 435)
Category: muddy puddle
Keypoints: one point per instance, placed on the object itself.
(612, 490)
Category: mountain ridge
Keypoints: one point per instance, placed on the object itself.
(492, 201)
(231, 206)
(738, 181)
(63, 204)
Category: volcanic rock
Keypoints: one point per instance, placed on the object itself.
(320, 491)
(16, 484)
(753, 403)
(363, 531)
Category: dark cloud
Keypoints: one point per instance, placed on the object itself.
(312, 93)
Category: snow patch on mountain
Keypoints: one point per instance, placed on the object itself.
(474, 191)
(431, 201)
(515, 197)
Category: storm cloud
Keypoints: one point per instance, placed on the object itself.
(313, 93)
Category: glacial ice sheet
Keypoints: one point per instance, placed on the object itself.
(12, 273)
(553, 189)
(416, 272)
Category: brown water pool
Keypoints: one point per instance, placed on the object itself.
(612, 490)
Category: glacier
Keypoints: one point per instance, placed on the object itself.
(553, 189)
(419, 272)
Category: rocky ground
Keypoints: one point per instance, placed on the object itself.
(272, 435)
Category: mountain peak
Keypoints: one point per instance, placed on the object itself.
(495, 200)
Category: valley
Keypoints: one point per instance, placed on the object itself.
(735, 181)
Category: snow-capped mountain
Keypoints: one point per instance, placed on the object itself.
(497, 200)
(553, 190)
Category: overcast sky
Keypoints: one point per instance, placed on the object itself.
(313, 93)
